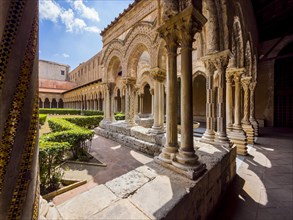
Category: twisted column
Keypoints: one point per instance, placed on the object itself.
(19, 185)
(247, 127)
(252, 108)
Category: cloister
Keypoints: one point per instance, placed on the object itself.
(167, 65)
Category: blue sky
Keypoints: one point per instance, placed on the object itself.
(70, 29)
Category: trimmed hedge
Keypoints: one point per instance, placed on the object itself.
(66, 111)
(50, 156)
(66, 131)
(119, 116)
(86, 121)
(42, 118)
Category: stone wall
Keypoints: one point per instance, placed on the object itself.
(52, 70)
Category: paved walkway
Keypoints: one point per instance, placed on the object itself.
(119, 160)
(263, 188)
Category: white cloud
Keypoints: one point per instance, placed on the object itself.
(49, 10)
(65, 55)
(86, 12)
(93, 29)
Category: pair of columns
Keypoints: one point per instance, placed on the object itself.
(216, 65)
(180, 29)
(242, 131)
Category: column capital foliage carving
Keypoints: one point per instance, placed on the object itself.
(128, 80)
(181, 27)
(235, 72)
(158, 74)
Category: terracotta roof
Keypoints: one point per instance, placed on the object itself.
(51, 90)
(56, 84)
(130, 6)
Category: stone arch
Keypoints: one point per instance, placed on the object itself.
(114, 68)
(133, 57)
(60, 103)
(237, 43)
(54, 103)
(115, 45)
(199, 72)
(199, 96)
(145, 79)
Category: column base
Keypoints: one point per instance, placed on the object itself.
(221, 138)
(239, 139)
(249, 133)
(255, 127)
(167, 154)
(190, 173)
(208, 136)
(157, 130)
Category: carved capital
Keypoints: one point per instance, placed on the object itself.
(158, 74)
(128, 80)
(152, 91)
(236, 73)
(245, 81)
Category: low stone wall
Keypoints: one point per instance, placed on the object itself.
(136, 137)
(154, 192)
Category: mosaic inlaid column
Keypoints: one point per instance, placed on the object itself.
(109, 103)
(129, 114)
(171, 146)
(186, 158)
(159, 76)
(221, 62)
(19, 185)
(209, 134)
(247, 127)
(252, 108)
(237, 136)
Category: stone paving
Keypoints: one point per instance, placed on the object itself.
(261, 190)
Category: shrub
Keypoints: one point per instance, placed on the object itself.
(91, 112)
(42, 118)
(66, 131)
(68, 111)
(119, 116)
(86, 121)
(59, 111)
(50, 156)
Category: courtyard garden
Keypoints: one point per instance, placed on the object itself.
(64, 135)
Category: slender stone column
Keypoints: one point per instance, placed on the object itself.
(252, 108)
(229, 102)
(159, 76)
(153, 100)
(171, 146)
(141, 103)
(135, 103)
(247, 127)
(109, 107)
(19, 185)
(129, 114)
(43, 104)
(186, 159)
(221, 62)
(237, 136)
(209, 134)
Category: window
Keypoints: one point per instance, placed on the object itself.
(62, 72)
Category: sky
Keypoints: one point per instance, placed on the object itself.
(70, 29)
